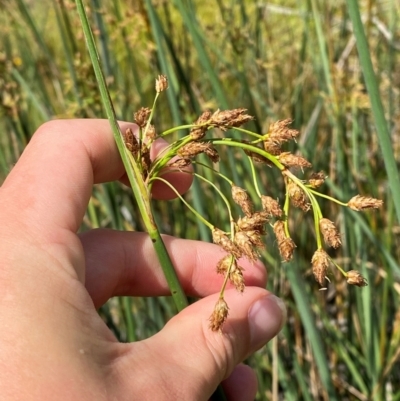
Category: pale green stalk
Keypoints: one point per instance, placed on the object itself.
(132, 169)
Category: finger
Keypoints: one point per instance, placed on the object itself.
(241, 385)
(125, 263)
(53, 179)
(191, 359)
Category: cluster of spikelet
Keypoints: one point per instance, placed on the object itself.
(245, 236)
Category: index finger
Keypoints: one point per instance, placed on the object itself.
(51, 184)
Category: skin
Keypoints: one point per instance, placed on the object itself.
(54, 346)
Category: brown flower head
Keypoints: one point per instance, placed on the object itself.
(150, 135)
(237, 279)
(330, 233)
(161, 83)
(271, 206)
(219, 315)
(243, 242)
(220, 238)
(355, 278)
(179, 163)
(141, 116)
(131, 142)
(240, 196)
(199, 132)
(254, 222)
(286, 245)
(225, 264)
(297, 196)
(230, 118)
(364, 202)
(192, 149)
(290, 160)
(279, 132)
(320, 264)
(317, 179)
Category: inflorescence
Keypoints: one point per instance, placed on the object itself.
(245, 238)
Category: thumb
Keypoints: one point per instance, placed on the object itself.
(187, 361)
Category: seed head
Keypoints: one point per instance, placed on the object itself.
(141, 116)
(219, 315)
(364, 202)
(330, 233)
(240, 196)
(290, 160)
(179, 163)
(254, 222)
(355, 278)
(150, 133)
(131, 142)
(192, 149)
(199, 132)
(297, 196)
(161, 83)
(317, 179)
(279, 132)
(320, 264)
(220, 238)
(230, 118)
(286, 245)
(271, 206)
(272, 147)
(245, 245)
(225, 264)
(236, 278)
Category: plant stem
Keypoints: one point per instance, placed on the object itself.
(139, 188)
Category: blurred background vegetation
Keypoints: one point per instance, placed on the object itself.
(279, 59)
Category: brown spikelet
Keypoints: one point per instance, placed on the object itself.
(150, 134)
(236, 278)
(225, 264)
(272, 147)
(330, 233)
(199, 132)
(146, 161)
(320, 264)
(179, 163)
(161, 83)
(255, 238)
(230, 118)
(279, 132)
(359, 203)
(279, 230)
(355, 278)
(240, 196)
(317, 179)
(131, 141)
(192, 149)
(219, 315)
(141, 116)
(271, 206)
(221, 238)
(297, 196)
(290, 160)
(254, 222)
(245, 245)
(286, 245)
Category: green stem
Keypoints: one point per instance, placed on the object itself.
(139, 188)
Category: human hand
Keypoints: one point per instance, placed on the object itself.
(54, 346)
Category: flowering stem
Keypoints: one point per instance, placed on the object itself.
(139, 188)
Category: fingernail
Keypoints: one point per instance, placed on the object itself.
(266, 318)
